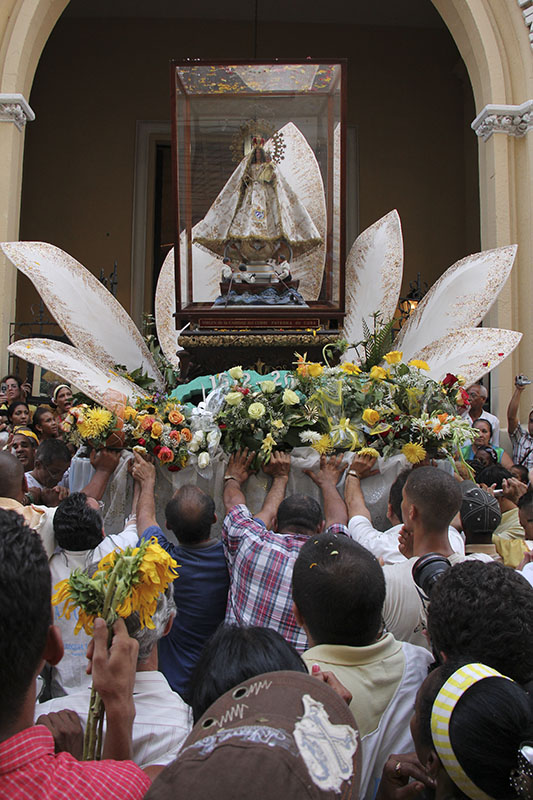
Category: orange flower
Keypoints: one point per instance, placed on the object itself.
(175, 417)
(156, 430)
(442, 418)
(175, 436)
(147, 422)
(186, 435)
(165, 455)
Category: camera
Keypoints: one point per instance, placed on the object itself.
(522, 380)
(3, 388)
(428, 569)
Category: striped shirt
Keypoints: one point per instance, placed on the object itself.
(522, 443)
(29, 768)
(260, 563)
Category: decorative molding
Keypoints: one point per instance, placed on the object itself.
(526, 6)
(512, 120)
(15, 108)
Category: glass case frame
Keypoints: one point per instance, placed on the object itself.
(199, 89)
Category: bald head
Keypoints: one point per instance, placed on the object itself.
(190, 515)
(11, 476)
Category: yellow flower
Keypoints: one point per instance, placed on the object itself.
(256, 410)
(368, 451)
(233, 398)
(371, 416)
(308, 369)
(324, 444)
(350, 369)
(414, 452)
(268, 443)
(290, 398)
(393, 357)
(156, 571)
(96, 421)
(236, 373)
(278, 424)
(415, 362)
(129, 413)
(378, 374)
(157, 430)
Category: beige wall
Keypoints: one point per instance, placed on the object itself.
(409, 97)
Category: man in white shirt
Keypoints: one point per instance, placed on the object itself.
(162, 719)
(338, 592)
(478, 397)
(383, 544)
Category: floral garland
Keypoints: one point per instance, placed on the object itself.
(392, 408)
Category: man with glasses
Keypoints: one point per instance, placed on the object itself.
(52, 460)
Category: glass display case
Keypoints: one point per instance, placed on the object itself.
(259, 184)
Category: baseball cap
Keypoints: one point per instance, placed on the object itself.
(280, 734)
(480, 511)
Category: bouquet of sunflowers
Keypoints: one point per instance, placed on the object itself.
(93, 425)
(124, 582)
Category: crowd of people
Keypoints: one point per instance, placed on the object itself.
(304, 653)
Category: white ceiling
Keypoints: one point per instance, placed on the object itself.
(404, 13)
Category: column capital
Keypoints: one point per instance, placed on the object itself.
(512, 120)
(15, 108)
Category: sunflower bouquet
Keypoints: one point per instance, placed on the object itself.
(159, 426)
(124, 582)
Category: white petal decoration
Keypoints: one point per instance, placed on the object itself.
(470, 352)
(165, 306)
(301, 170)
(459, 299)
(91, 317)
(75, 367)
(374, 270)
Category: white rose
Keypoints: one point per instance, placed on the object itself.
(290, 398)
(236, 373)
(213, 438)
(233, 398)
(268, 387)
(256, 410)
(203, 460)
(194, 446)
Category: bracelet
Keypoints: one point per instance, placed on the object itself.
(354, 474)
(232, 478)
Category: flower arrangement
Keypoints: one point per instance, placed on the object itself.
(262, 419)
(391, 408)
(159, 426)
(92, 425)
(124, 582)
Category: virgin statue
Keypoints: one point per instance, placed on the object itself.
(257, 214)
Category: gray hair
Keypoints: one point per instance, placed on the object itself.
(148, 637)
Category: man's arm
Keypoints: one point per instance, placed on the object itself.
(512, 409)
(237, 472)
(360, 468)
(144, 476)
(105, 463)
(113, 672)
(278, 468)
(326, 478)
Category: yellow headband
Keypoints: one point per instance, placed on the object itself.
(442, 711)
(25, 432)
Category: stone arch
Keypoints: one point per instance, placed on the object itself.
(25, 26)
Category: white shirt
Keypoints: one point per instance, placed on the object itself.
(384, 544)
(162, 719)
(404, 612)
(70, 675)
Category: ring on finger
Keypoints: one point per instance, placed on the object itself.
(398, 767)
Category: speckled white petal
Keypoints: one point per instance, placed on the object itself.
(470, 352)
(165, 306)
(459, 299)
(75, 367)
(91, 317)
(374, 270)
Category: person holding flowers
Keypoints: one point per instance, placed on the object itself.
(32, 764)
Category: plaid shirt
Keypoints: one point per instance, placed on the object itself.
(29, 768)
(260, 564)
(522, 443)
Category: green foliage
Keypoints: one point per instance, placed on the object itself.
(376, 342)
